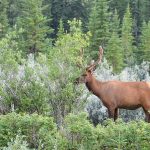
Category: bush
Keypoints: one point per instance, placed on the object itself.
(80, 132)
(17, 144)
(120, 135)
(39, 131)
(82, 135)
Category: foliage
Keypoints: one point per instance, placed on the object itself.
(81, 132)
(123, 135)
(38, 94)
(99, 26)
(67, 10)
(144, 47)
(17, 143)
(78, 133)
(66, 66)
(115, 53)
(3, 17)
(21, 89)
(35, 28)
(42, 84)
(127, 38)
(71, 44)
(110, 135)
(35, 129)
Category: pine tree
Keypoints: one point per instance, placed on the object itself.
(34, 25)
(114, 53)
(99, 25)
(13, 11)
(60, 29)
(144, 50)
(120, 6)
(136, 7)
(3, 17)
(127, 37)
(145, 10)
(68, 10)
(115, 23)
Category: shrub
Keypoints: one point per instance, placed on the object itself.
(39, 131)
(80, 132)
(111, 135)
(120, 135)
(17, 144)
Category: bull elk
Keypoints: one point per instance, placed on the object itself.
(117, 94)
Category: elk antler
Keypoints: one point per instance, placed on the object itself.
(93, 64)
(80, 58)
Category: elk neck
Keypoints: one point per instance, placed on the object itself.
(94, 86)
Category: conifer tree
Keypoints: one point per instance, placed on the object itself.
(144, 50)
(60, 29)
(34, 25)
(114, 53)
(127, 37)
(115, 23)
(3, 17)
(99, 25)
(13, 11)
(145, 10)
(136, 7)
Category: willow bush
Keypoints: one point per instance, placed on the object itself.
(39, 132)
(110, 135)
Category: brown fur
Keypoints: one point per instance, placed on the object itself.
(117, 94)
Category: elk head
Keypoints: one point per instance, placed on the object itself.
(87, 75)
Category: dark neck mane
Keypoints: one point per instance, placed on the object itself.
(88, 86)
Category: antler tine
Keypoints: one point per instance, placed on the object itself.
(80, 58)
(100, 54)
(93, 64)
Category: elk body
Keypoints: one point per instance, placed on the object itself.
(117, 94)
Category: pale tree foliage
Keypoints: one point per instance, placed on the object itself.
(44, 84)
(17, 143)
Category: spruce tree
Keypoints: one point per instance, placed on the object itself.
(13, 11)
(99, 25)
(34, 26)
(145, 10)
(127, 37)
(114, 53)
(68, 10)
(115, 23)
(3, 17)
(136, 10)
(144, 50)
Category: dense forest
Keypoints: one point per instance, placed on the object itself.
(44, 46)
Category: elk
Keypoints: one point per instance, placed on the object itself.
(117, 94)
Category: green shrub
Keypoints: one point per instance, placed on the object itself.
(81, 133)
(111, 135)
(39, 131)
(17, 144)
(120, 135)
